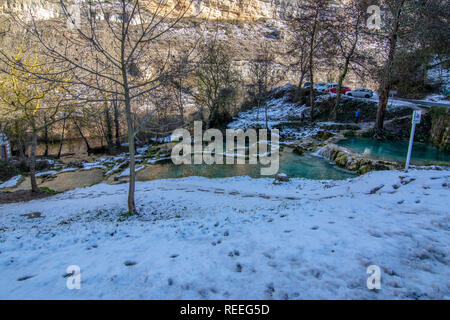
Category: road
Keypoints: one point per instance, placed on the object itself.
(417, 103)
(427, 104)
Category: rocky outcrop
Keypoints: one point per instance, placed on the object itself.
(440, 128)
(354, 161)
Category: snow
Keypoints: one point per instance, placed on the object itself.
(11, 183)
(234, 238)
(126, 172)
(437, 98)
(46, 173)
(278, 111)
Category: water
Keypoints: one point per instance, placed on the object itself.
(295, 166)
(395, 150)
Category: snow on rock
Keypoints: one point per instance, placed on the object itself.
(234, 238)
(11, 183)
(46, 173)
(126, 172)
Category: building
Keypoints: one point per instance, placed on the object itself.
(5, 150)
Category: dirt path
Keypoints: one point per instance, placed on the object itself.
(66, 180)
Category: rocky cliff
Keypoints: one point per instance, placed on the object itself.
(245, 26)
(243, 10)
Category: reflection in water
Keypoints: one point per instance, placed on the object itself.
(395, 150)
(293, 165)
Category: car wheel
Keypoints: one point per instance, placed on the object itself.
(367, 96)
(349, 94)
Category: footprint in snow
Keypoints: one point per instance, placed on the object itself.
(234, 253)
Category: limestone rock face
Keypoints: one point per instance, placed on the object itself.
(244, 10)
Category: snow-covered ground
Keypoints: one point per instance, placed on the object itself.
(235, 238)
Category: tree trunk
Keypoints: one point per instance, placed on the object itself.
(300, 84)
(62, 139)
(257, 110)
(89, 149)
(300, 81)
(333, 114)
(382, 102)
(180, 104)
(117, 123)
(311, 96)
(46, 137)
(108, 134)
(131, 148)
(20, 142)
(311, 66)
(387, 77)
(34, 186)
(267, 117)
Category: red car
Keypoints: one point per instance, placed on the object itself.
(334, 90)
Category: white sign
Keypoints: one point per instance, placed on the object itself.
(374, 20)
(415, 120)
(417, 115)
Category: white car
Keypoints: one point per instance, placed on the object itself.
(360, 93)
(331, 86)
(321, 86)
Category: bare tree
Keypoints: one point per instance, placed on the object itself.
(315, 18)
(264, 77)
(110, 55)
(347, 32)
(400, 19)
(299, 52)
(216, 82)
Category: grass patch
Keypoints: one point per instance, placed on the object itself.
(46, 190)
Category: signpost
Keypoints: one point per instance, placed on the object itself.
(417, 114)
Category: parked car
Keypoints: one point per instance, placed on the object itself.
(321, 86)
(333, 89)
(360, 93)
(307, 85)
